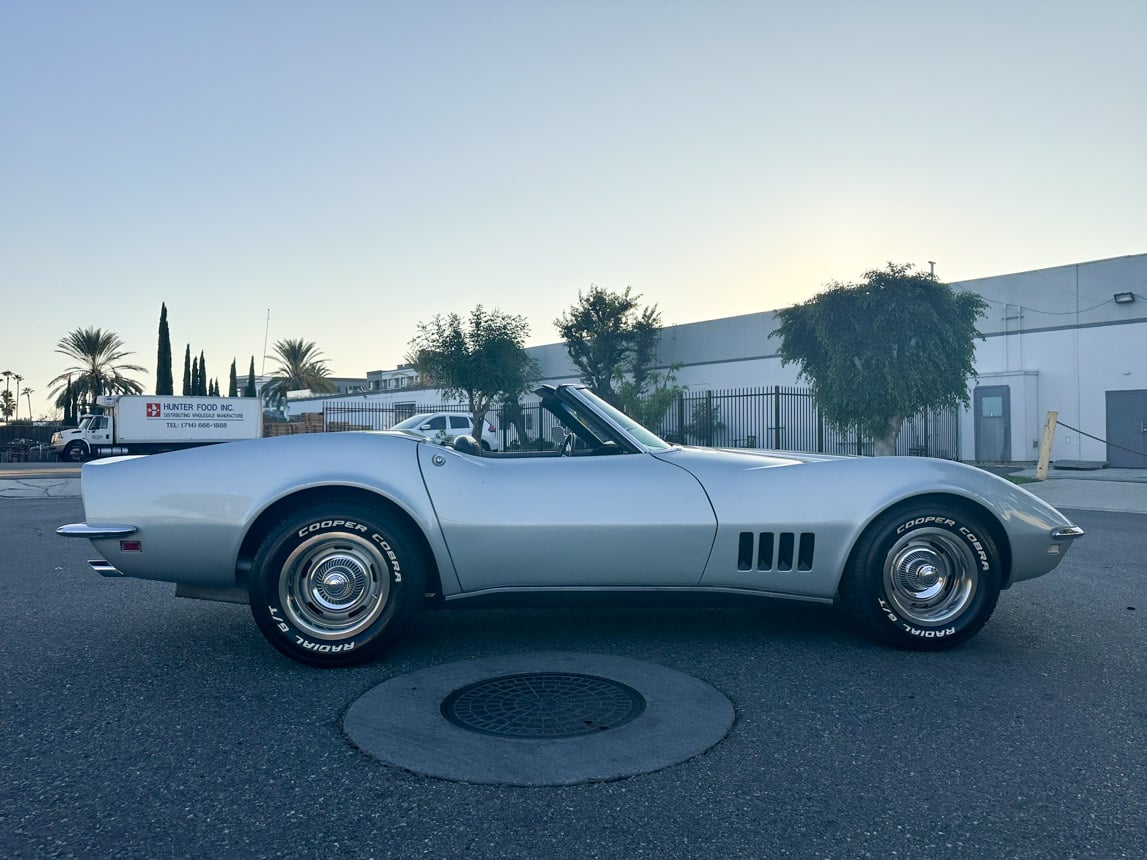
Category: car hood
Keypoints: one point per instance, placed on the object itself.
(742, 458)
(850, 486)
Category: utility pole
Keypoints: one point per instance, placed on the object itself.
(266, 331)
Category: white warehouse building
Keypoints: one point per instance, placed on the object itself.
(1070, 339)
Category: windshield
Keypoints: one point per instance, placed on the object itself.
(649, 440)
(411, 422)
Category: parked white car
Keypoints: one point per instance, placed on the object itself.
(444, 426)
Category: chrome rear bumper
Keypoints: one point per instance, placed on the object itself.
(83, 530)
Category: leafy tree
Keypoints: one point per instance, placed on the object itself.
(599, 333)
(97, 371)
(482, 358)
(188, 378)
(301, 368)
(512, 415)
(233, 382)
(164, 384)
(249, 390)
(613, 343)
(879, 351)
(706, 421)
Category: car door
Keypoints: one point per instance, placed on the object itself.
(627, 520)
(99, 431)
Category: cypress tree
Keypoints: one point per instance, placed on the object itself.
(249, 391)
(163, 381)
(202, 392)
(187, 376)
(69, 404)
(194, 377)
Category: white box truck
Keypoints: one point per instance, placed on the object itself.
(152, 423)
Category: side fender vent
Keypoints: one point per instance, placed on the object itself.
(780, 551)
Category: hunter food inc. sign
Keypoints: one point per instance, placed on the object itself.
(194, 410)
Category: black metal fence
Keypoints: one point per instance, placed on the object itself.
(787, 419)
(26, 440)
(776, 418)
(39, 432)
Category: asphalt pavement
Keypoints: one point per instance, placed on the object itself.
(137, 725)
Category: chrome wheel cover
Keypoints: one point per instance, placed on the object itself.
(334, 586)
(930, 576)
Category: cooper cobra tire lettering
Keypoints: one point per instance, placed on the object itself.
(329, 524)
(920, 521)
(334, 586)
(923, 579)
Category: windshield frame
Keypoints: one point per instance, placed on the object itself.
(634, 432)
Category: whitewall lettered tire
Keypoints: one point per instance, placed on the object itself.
(332, 586)
(923, 578)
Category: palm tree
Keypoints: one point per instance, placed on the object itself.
(7, 404)
(18, 379)
(97, 370)
(300, 368)
(28, 396)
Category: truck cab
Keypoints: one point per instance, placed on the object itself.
(75, 445)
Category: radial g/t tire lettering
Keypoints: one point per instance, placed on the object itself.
(332, 586)
(924, 578)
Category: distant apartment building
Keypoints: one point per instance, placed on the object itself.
(402, 377)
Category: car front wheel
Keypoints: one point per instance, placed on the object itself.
(924, 579)
(334, 585)
(74, 452)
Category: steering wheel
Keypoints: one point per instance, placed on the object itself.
(568, 445)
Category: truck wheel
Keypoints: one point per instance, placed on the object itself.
(74, 452)
(924, 578)
(332, 586)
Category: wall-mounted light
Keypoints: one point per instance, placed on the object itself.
(1124, 298)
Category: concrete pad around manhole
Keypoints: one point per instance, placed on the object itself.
(401, 723)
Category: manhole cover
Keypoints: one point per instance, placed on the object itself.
(543, 705)
(549, 718)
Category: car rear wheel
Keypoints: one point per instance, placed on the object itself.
(334, 585)
(925, 579)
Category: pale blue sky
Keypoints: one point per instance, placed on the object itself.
(357, 167)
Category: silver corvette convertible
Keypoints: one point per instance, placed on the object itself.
(336, 539)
